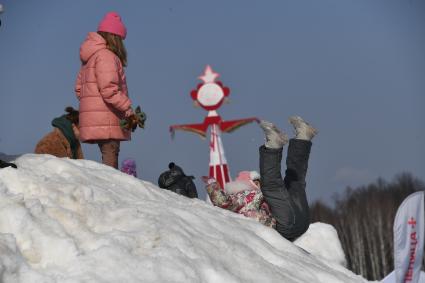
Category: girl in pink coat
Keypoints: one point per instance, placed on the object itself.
(101, 88)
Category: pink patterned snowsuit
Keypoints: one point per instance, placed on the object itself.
(248, 200)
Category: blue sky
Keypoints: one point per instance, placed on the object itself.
(354, 69)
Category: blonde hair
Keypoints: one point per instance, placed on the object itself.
(115, 44)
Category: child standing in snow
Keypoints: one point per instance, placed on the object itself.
(63, 140)
(274, 201)
(101, 88)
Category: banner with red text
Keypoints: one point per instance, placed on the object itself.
(409, 238)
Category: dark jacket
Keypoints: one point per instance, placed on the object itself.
(175, 180)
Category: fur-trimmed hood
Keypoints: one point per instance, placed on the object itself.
(243, 182)
(239, 186)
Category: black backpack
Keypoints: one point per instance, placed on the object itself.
(175, 180)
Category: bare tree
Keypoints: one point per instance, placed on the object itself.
(364, 219)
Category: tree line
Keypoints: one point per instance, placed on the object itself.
(364, 218)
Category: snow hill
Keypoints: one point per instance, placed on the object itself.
(67, 220)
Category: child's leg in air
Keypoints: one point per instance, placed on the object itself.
(286, 197)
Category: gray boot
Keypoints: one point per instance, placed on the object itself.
(303, 130)
(274, 137)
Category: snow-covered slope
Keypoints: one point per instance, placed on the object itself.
(79, 221)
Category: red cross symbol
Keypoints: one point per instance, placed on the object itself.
(412, 222)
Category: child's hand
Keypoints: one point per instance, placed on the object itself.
(133, 119)
(128, 113)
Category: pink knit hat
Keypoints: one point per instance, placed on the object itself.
(112, 23)
(248, 177)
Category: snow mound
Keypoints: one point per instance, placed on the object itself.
(67, 220)
(322, 241)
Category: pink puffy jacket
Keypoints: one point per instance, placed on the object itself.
(102, 90)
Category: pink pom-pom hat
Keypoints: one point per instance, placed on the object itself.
(112, 23)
